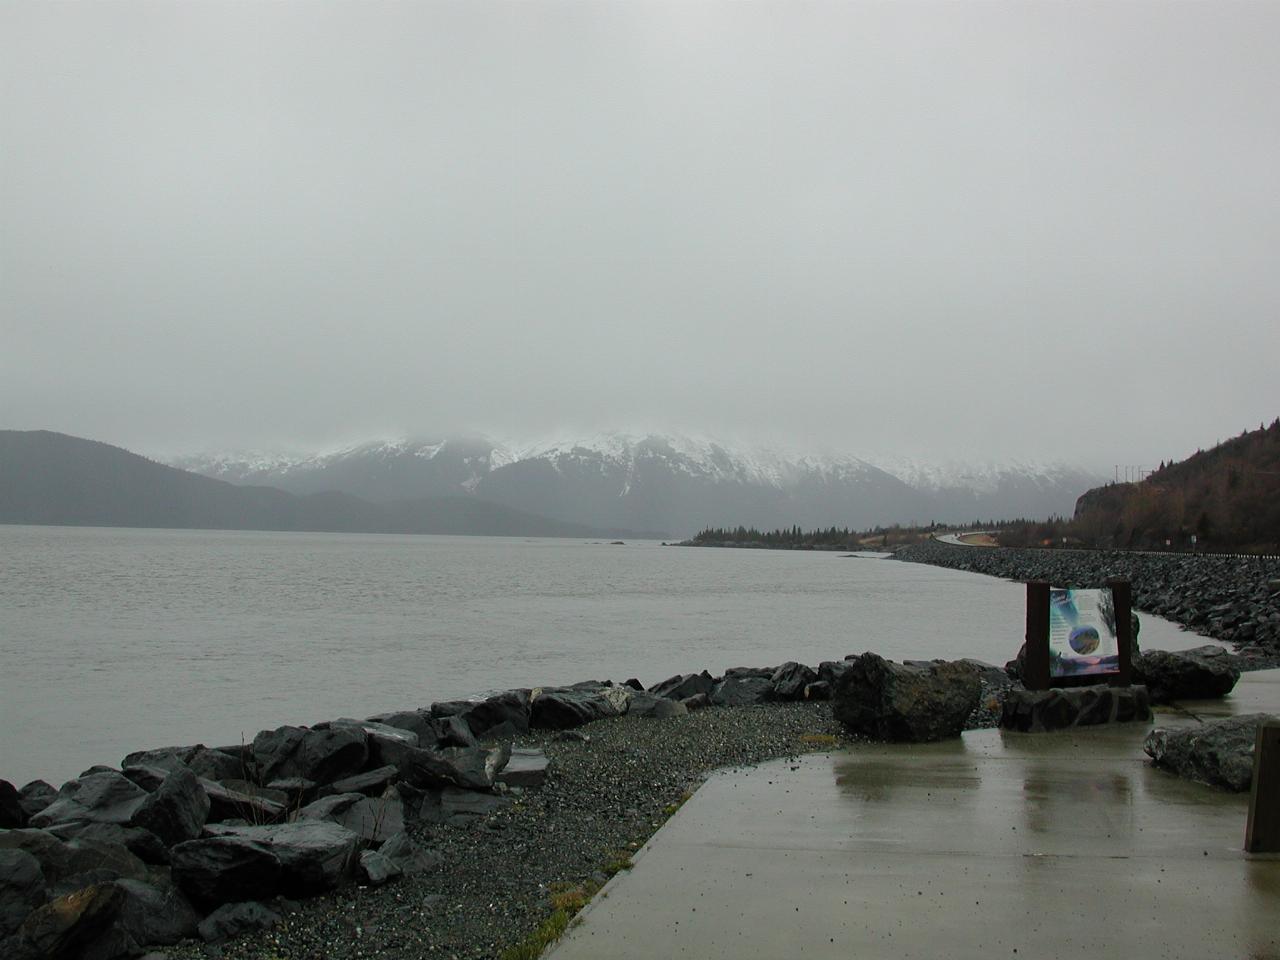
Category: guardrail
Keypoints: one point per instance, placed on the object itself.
(1151, 553)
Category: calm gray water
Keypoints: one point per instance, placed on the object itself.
(113, 640)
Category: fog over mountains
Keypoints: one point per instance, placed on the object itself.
(668, 484)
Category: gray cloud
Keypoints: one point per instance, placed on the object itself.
(1025, 228)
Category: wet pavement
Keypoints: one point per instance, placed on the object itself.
(994, 845)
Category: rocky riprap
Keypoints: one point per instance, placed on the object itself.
(1235, 599)
(439, 831)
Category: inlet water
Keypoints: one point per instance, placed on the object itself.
(113, 640)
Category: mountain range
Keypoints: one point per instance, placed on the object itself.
(52, 478)
(670, 485)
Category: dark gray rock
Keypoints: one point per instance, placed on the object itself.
(22, 889)
(273, 752)
(684, 686)
(330, 807)
(376, 868)
(224, 869)
(293, 791)
(250, 789)
(210, 764)
(370, 783)
(313, 855)
(143, 844)
(61, 859)
(156, 916)
(12, 815)
(462, 807)
(742, 673)
(790, 680)
(1219, 752)
(161, 758)
(742, 691)
(227, 804)
(71, 925)
(893, 701)
(658, 708)
(409, 856)
(417, 721)
(488, 719)
(698, 701)
(330, 754)
(1197, 674)
(561, 708)
(177, 810)
(374, 819)
(386, 744)
(101, 797)
(454, 732)
(818, 690)
(475, 768)
(399, 855)
(1038, 711)
(527, 767)
(829, 670)
(148, 778)
(35, 796)
(236, 919)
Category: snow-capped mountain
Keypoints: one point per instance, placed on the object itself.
(666, 483)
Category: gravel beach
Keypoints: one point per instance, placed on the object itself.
(605, 796)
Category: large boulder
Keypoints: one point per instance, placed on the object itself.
(22, 888)
(12, 815)
(644, 704)
(528, 766)
(1198, 674)
(374, 819)
(228, 804)
(559, 708)
(742, 690)
(177, 810)
(35, 796)
(683, 686)
(911, 702)
(790, 679)
(314, 855)
(499, 717)
(62, 861)
(142, 843)
(236, 919)
(75, 923)
(156, 915)
(107, 797)
(474, 768)
(323, 755)
(224, 869)
(1219, 752)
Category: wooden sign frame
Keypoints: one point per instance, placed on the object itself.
(1036, 669)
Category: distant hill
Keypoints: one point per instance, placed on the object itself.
(1228, 497)
(52, 478)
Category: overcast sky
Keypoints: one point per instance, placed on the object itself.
(935, 229)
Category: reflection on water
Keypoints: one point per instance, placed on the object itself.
(1101, 805)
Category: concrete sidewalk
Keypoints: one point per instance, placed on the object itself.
(996, 845)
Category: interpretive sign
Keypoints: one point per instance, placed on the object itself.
(1077, 637)
(1082, 633)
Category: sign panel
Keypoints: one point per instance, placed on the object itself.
(1082, 633)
